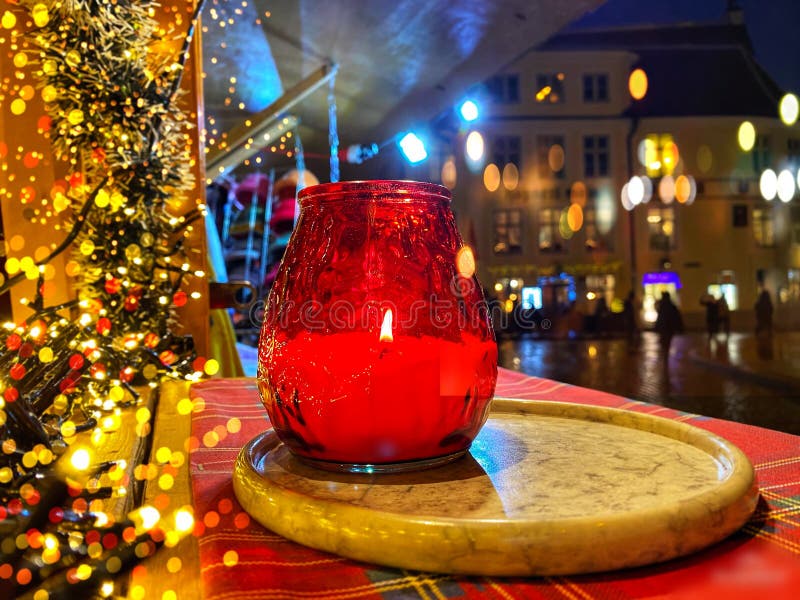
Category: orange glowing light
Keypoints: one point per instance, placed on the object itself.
(465, 262)
(575, 217)
(386, 327)
(637, 84)
(683, 188)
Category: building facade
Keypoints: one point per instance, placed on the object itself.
(547, 207)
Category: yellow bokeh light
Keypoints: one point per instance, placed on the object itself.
(637, 84)
(73, 58)
(163, 454)
(18, 106)
(102, 199)
(87, 247)
(75, 116)
(46, 354)
(12, 265)
(746, 136)
(211, 367)
(230, 558)
(491, 177)
(60, 202)
(40, 15)
(49, 93)
(9, 20)
(788, 109)
(20, 60)
(27, 92)
(143, 415)
(174, 564)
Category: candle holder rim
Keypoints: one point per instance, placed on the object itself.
(368, 189)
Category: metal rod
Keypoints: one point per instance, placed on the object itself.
(262, 266)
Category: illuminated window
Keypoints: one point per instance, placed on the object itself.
(595, 88)
(549, 236)
(550, 155)
(504, 89)
(762, 157)
(764, 227)
(595, 155)
(550, 88)
(661, 227)
(506, 149)
(508, 231)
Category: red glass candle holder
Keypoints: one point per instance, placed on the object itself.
(376, 352)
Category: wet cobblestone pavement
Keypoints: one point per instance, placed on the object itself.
(698, 378)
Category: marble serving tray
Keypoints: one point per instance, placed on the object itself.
(547, 488)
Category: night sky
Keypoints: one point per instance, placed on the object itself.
(773, 25)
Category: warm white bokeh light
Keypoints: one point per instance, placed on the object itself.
(785, 185)
(768, 184)
(474, 146)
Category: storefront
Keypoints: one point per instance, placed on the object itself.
(655, 284)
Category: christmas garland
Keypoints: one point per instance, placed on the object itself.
(113, 117)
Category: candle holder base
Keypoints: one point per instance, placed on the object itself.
(398, 467)
(547, 488)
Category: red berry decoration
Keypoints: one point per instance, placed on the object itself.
(126, 374)
(136, 291)
(179, 299)
(76, 361)
(167, 357)
(103, 325)
(151, 340)
(113, 285)
(17, 371)
(13, 342)
(98, 371)
(131, 303)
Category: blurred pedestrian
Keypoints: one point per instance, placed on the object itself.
(668, 323)
(630, 320)
(764, 313)
(724, 313)
(712, 315)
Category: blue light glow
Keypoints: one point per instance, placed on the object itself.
(469, 111)
(413, 148)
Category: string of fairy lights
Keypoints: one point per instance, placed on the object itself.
(107, 76)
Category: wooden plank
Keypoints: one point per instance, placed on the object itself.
(171, 431)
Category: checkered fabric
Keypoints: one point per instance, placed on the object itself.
(240, 559)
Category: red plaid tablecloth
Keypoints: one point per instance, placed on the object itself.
(240, 559)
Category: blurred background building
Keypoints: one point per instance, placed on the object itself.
(613, 160)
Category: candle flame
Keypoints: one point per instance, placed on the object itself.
(386, 327)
